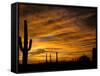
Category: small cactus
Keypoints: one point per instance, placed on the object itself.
(56, 57)
(46, 58)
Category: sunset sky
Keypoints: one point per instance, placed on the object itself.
(71, 31)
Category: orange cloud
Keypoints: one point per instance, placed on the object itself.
(58, 27)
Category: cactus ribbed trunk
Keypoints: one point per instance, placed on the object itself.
(25, 48)
(25, 53)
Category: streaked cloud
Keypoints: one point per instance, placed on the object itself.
(71, 28)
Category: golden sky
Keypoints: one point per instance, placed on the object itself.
(70, 30)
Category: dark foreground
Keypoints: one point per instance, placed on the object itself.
(56, 66)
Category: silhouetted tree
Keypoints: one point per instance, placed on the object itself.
(84, 59)
(25, 48)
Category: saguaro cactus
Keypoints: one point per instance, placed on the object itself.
(46, 58)
(25, 48)
(56, 57)
(50, 57)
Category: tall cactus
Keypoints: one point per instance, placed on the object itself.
(25, 48)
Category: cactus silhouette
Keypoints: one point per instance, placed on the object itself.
(50, 57)
(56, 56)
(26, 47)
(46, 58)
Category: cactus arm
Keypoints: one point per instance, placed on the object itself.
(30, 44)
(20, 44)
